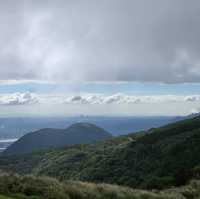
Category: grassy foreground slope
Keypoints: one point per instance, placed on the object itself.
(158, 158)
(29, 187)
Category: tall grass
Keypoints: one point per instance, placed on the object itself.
(31, 187)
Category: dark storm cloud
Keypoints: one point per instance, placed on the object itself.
(90, 40)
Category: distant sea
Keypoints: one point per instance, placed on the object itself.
(4, 143)
(12, 129)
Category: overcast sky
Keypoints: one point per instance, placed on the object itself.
(76, 42)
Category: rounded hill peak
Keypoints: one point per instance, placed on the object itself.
(83, 125)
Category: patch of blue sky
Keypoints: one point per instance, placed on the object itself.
(133, 88)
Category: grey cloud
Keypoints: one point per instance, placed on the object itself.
(192, 98)
(77, 99)
(116, 40)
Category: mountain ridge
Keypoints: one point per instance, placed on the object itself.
(79, 133)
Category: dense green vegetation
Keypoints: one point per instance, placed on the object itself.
(79, 133)
(30, 187)
(5, 197)
(159, 158)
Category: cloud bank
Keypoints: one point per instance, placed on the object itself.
(91, 99)
(128, 99)
(18, 99)
(116, 40)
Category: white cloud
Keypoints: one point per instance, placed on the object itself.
(91, 98)
(121, 98)
(18, 99)
(195, 110)
(35, 104)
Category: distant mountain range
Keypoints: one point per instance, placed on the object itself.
(79, 133)
(179, 118)
(17, 127)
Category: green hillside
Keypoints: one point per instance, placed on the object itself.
(29, 187)
(159, 158)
